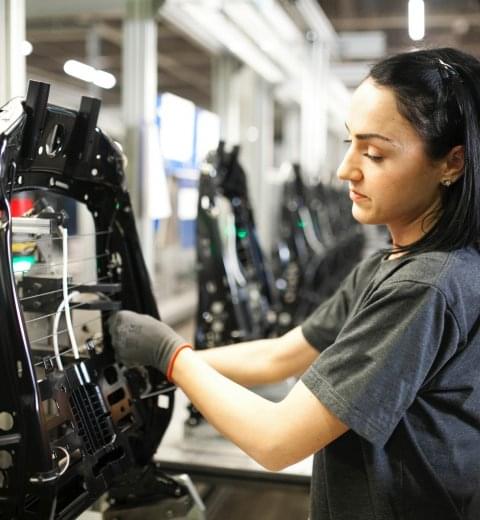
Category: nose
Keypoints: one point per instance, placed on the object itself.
(348, 169)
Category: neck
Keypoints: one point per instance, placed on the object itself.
(405, 233)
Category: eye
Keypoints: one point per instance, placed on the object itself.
(348, 141)
(374, 158)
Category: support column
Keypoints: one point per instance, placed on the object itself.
(139, 100)
(256, 153)
(12, 60)
(291, 134)
(224, 102)
(314, 110)
(93, 52)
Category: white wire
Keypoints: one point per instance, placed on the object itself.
(312, 239)
(68, 316)
(56, 322)
(42, 479)
(67, 463)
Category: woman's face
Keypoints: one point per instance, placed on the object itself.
(391, 179)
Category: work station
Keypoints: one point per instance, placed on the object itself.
(239, 260)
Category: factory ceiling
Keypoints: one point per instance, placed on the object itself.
(378, 27)
(183, 67)
(454, 23)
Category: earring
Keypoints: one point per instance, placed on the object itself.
(446, 182)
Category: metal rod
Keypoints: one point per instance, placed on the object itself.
(66, 351)
(105, 232)
(102, 255)
(74, 306)
(60, 290)
(64, 330)
(32, 226)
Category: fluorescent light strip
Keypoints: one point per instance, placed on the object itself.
(316, 19)
(281, 21)
(189, 27)
(234, 40)
(253, 24)
(87, 73)
(104, 79)
(416, 19)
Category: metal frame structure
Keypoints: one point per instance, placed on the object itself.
(68, 435)
(236, 300)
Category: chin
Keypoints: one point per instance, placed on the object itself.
(364, 217)
(360, 215)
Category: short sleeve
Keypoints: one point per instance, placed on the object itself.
(321, 328)
(382, 356)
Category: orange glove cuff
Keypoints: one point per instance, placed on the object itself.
(173, 359)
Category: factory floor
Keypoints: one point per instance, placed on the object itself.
(234, 503)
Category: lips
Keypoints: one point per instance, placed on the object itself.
(355, 195)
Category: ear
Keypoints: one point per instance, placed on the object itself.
(453, 164)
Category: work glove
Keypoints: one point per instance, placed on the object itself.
(139, 339)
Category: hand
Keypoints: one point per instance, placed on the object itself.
(139, 339)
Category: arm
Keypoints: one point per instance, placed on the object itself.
(262, 361)
(275, 435)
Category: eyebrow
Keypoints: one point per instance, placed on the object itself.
(363, 137)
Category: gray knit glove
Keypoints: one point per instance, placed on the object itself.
(139, 339)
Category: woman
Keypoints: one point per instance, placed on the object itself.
(391, 406)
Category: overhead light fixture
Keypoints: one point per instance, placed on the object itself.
(315, 18)
(87, 73)
(104, 79)
(279, 19)
(416, 19)
(79, 70)
(27, 48)
(235, 41)
(249, 20)
(175, 16)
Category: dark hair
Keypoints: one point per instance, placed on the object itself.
(438, 92)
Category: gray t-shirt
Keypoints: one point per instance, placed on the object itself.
(400, 365)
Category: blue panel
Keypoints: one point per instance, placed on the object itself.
(187, 233)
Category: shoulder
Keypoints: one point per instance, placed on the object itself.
(426, 268)
(455, 275)
(436, 268)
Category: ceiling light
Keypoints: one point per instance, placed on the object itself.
(316, 19)
(189, 27)
(416, 19)
(79, 70)
(279, 19)
(235, 41)
(104, 79)
(87, 73)
(249, 20)
(27, 48)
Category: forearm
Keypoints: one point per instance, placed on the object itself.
(247, 364)
(242, 416)
(262, 361)
(276, 435)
